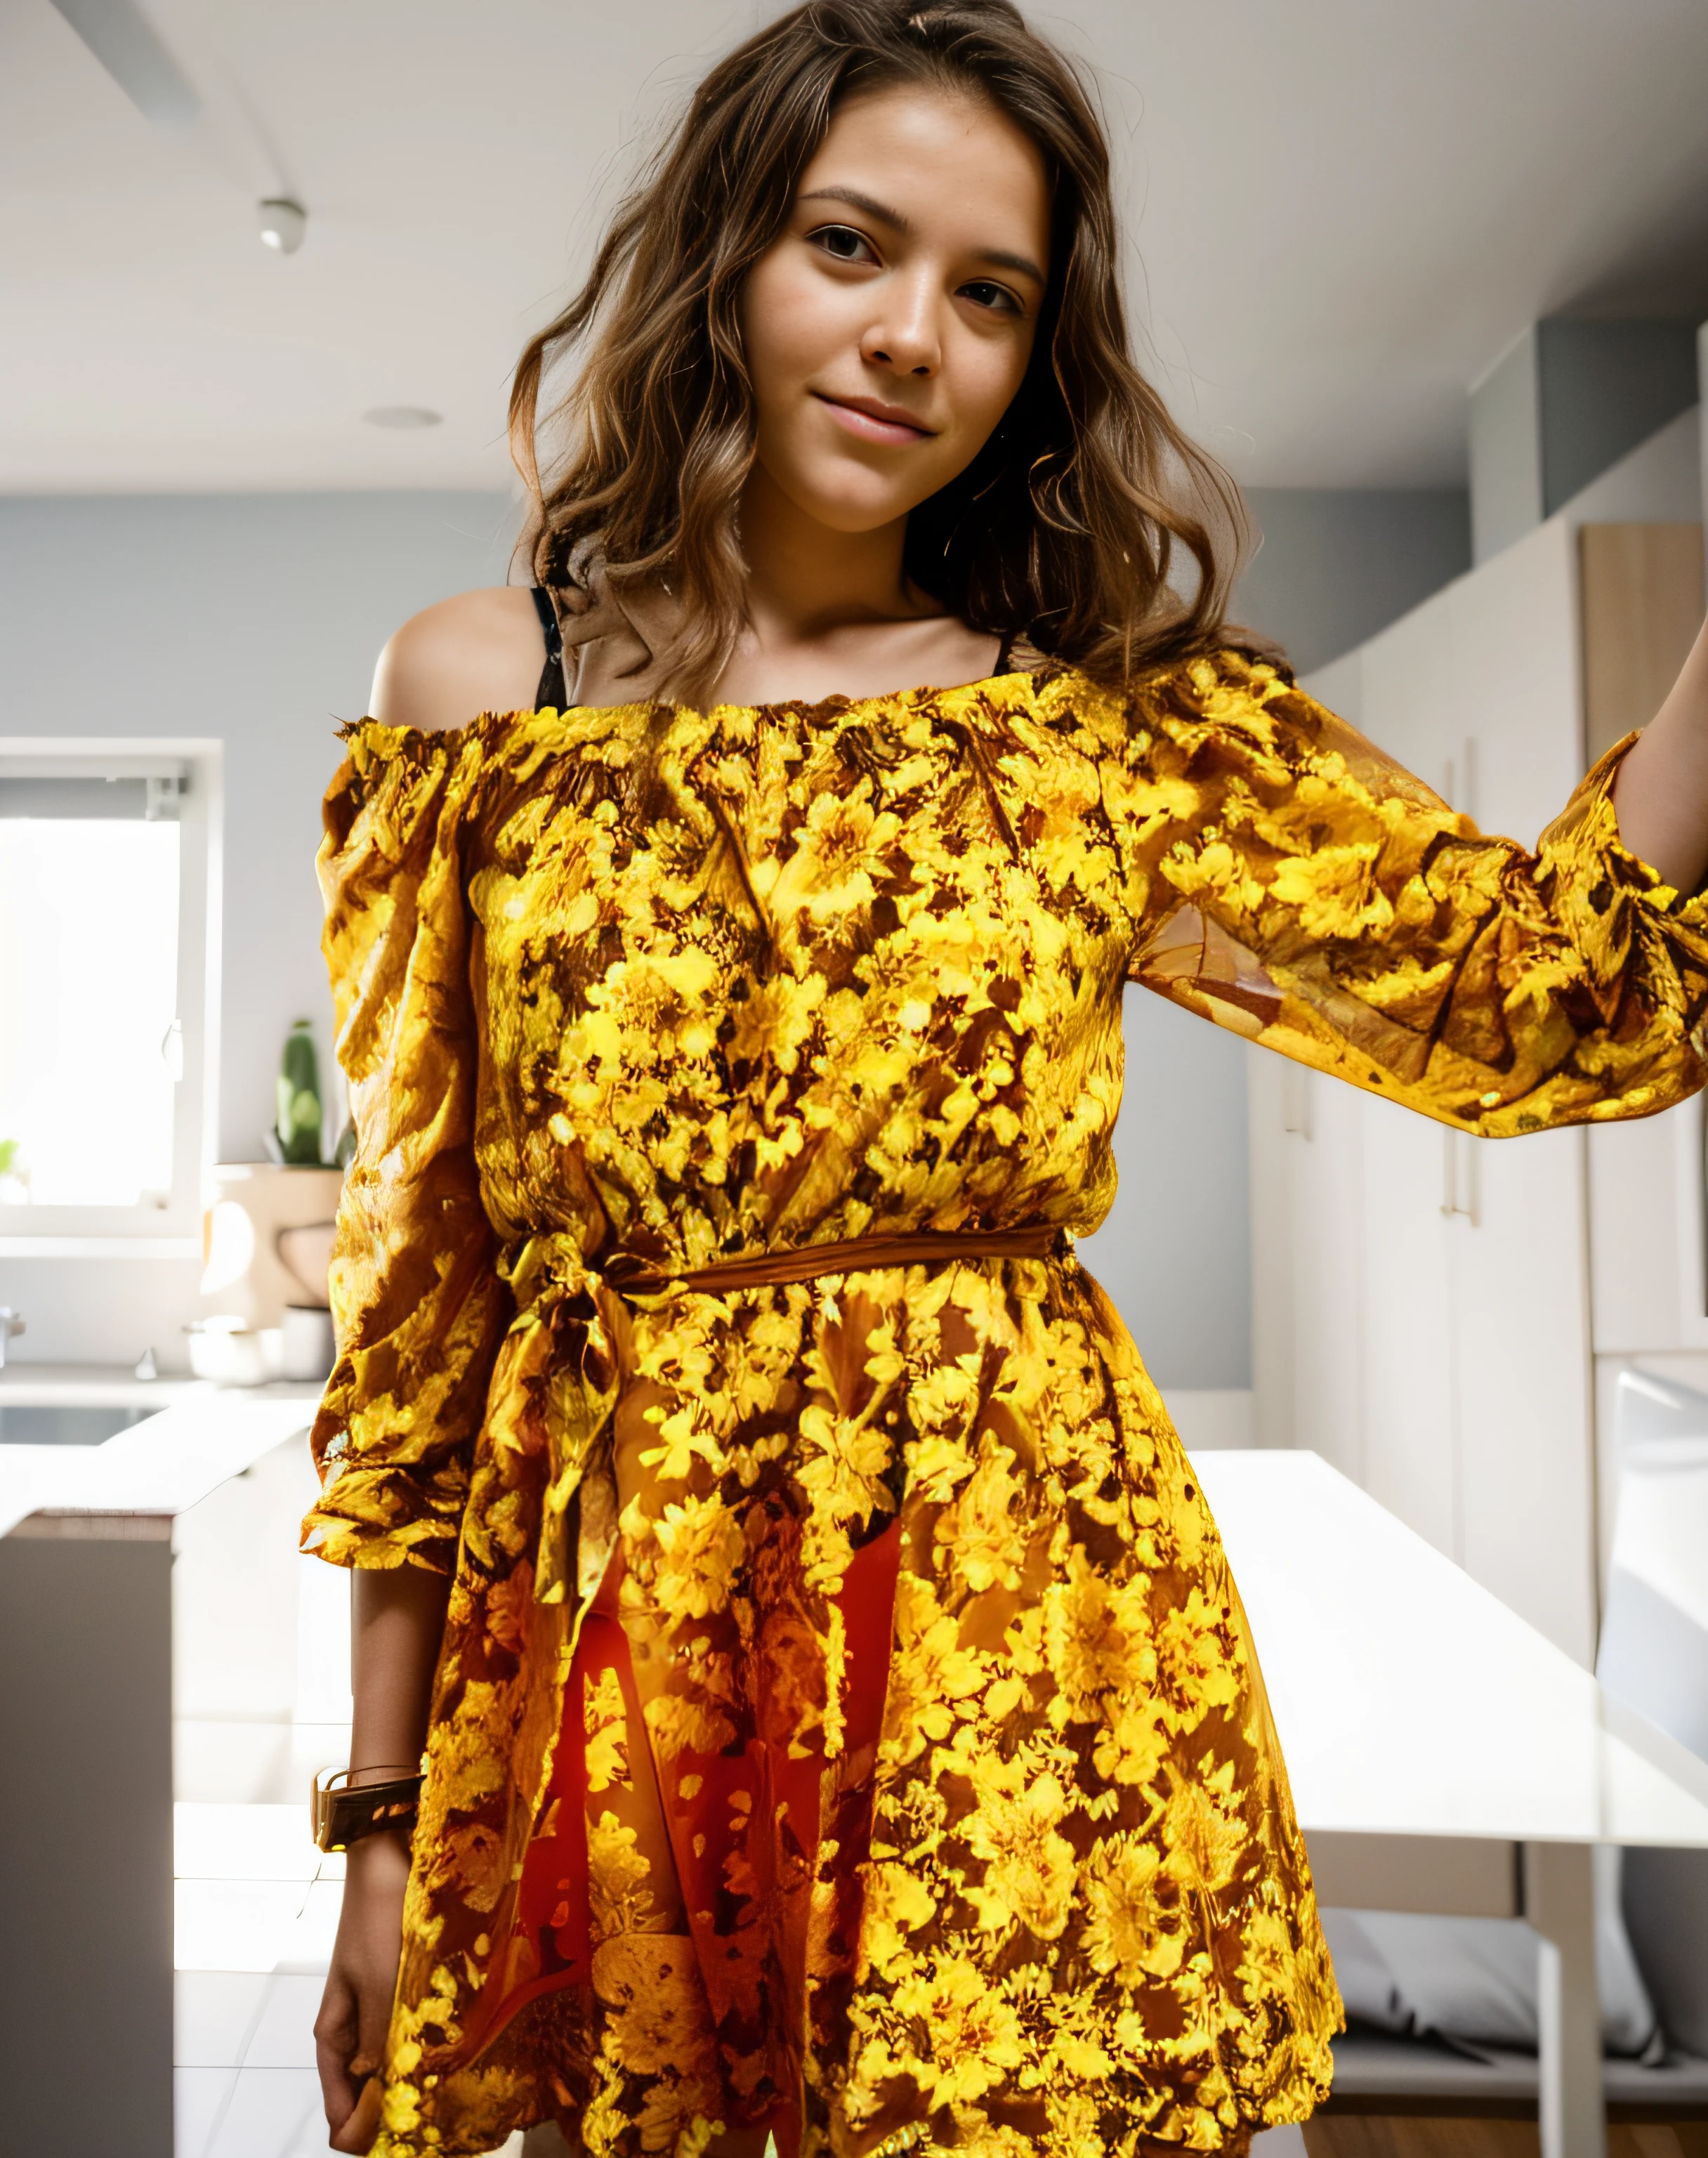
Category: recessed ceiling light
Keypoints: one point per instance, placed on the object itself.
(281, 224)
(402, 417)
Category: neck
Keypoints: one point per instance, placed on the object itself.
(806, 581)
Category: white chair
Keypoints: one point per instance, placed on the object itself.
(1653, 1654)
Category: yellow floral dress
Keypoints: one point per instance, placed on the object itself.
(890, 1592)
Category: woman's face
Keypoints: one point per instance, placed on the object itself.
(890, 324)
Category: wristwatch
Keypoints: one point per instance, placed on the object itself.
(342, 1813)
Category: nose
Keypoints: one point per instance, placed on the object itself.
(904, 335)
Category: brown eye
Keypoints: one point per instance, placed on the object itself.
(997, 297)
(843, 243)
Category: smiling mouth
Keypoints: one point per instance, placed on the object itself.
(873, 422)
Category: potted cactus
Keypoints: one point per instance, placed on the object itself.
(298, 1125)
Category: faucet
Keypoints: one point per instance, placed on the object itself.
(11, 1322)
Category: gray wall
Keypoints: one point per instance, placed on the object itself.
(1339, 564)
(1175, 1253)
(1605, 388)
(1563, 402)
(256, 618)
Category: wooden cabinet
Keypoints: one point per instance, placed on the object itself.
(1642, 596)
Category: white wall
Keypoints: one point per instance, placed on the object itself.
(256, 619)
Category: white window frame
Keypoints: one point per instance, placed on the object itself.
(171, 1227)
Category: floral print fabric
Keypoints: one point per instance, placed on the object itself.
(846, 1724)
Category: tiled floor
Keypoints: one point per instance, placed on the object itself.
(244, 2085)
(261, 1687)
(252, 1956)
(252, 1893)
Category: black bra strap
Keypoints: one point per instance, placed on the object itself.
(549, 695)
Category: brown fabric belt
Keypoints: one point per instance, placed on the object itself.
(633, 1276)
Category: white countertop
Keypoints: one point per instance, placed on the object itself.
(164, 1465)
(1411, 1701)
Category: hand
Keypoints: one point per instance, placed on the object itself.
(355, 2010)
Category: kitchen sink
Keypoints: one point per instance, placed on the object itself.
(66, 1423)
(80, 1404)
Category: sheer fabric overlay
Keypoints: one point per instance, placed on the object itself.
(846, 1722)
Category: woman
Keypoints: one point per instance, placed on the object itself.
(839, 1721)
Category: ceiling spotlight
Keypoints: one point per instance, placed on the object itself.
(282, 225)
(402, 417)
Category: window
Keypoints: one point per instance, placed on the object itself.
(106, 883)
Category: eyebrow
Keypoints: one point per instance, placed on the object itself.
(998, 257)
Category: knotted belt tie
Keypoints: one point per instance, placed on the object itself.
(631, 1275)
(549, 1268)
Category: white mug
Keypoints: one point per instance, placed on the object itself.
(309, 1351)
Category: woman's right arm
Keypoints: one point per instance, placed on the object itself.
(419, 1307)
(397, 1621)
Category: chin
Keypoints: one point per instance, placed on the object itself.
(856, 508)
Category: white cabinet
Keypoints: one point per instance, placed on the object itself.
(1422, 1300)
(1412, 1381)
(1441, 1359)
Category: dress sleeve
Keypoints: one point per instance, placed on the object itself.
(417, 1305)
(1287, 881)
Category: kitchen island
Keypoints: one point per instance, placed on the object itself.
(86, 1705)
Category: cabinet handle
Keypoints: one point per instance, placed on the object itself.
(1458, 1177)
(1296, 1101)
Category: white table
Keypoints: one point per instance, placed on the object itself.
(1444, 1756)
(85, 1705)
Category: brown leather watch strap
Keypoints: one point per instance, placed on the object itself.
(342, 1814)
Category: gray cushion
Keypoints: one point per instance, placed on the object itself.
(1476, 1979)
(1371, 2065)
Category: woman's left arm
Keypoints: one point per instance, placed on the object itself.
(1661, 794)
(1288, 880)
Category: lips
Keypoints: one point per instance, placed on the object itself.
(875, 421)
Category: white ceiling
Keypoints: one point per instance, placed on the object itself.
(1343, 211)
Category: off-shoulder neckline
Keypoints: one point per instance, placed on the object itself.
(835, 706)
(838, 707)
(920, 693)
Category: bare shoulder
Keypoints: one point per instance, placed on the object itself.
(480, 652)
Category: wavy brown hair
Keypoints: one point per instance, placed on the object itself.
(1070, 522)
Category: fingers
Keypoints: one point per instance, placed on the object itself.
(373, 2024)
(349, 2043)
(355, 2013)
(334, 2042)
(362, 2125)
